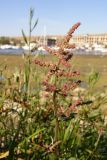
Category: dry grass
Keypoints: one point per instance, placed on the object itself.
(83, 63)
(88, 63)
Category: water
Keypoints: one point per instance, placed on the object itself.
(11, 51)
(18, 51)
(84, 52)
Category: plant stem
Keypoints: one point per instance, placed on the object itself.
(56, 117)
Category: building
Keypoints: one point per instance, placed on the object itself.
(51, 41)
(90, 39)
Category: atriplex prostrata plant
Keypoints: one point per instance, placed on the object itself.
(59, 84)
(60, 81)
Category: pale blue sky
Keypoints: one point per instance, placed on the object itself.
(57, 15)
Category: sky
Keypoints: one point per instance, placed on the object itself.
(55, 16)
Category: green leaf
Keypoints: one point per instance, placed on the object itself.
(35, 25)
(26, 75)
(89, 151)
(24, 37)
(31, 136)
(94, 113)
(93, 78)
(68, 132)
(52, 156)
(53, 122)
(72, 158)
(31, 13)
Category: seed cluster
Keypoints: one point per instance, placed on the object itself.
(62, 72)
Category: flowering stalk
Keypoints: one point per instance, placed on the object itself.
(59, 71)
(27, 66)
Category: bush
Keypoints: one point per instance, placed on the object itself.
(4, 40)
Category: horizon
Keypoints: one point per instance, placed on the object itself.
(55, 17)
(50, 35)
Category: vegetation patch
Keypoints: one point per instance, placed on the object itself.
(45, 112)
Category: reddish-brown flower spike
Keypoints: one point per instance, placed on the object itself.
(71, 46)
(68, 56)
(69, 36)
(75, 26)
(72, 30)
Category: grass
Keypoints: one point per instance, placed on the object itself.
(85, 64)
(88, 63)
